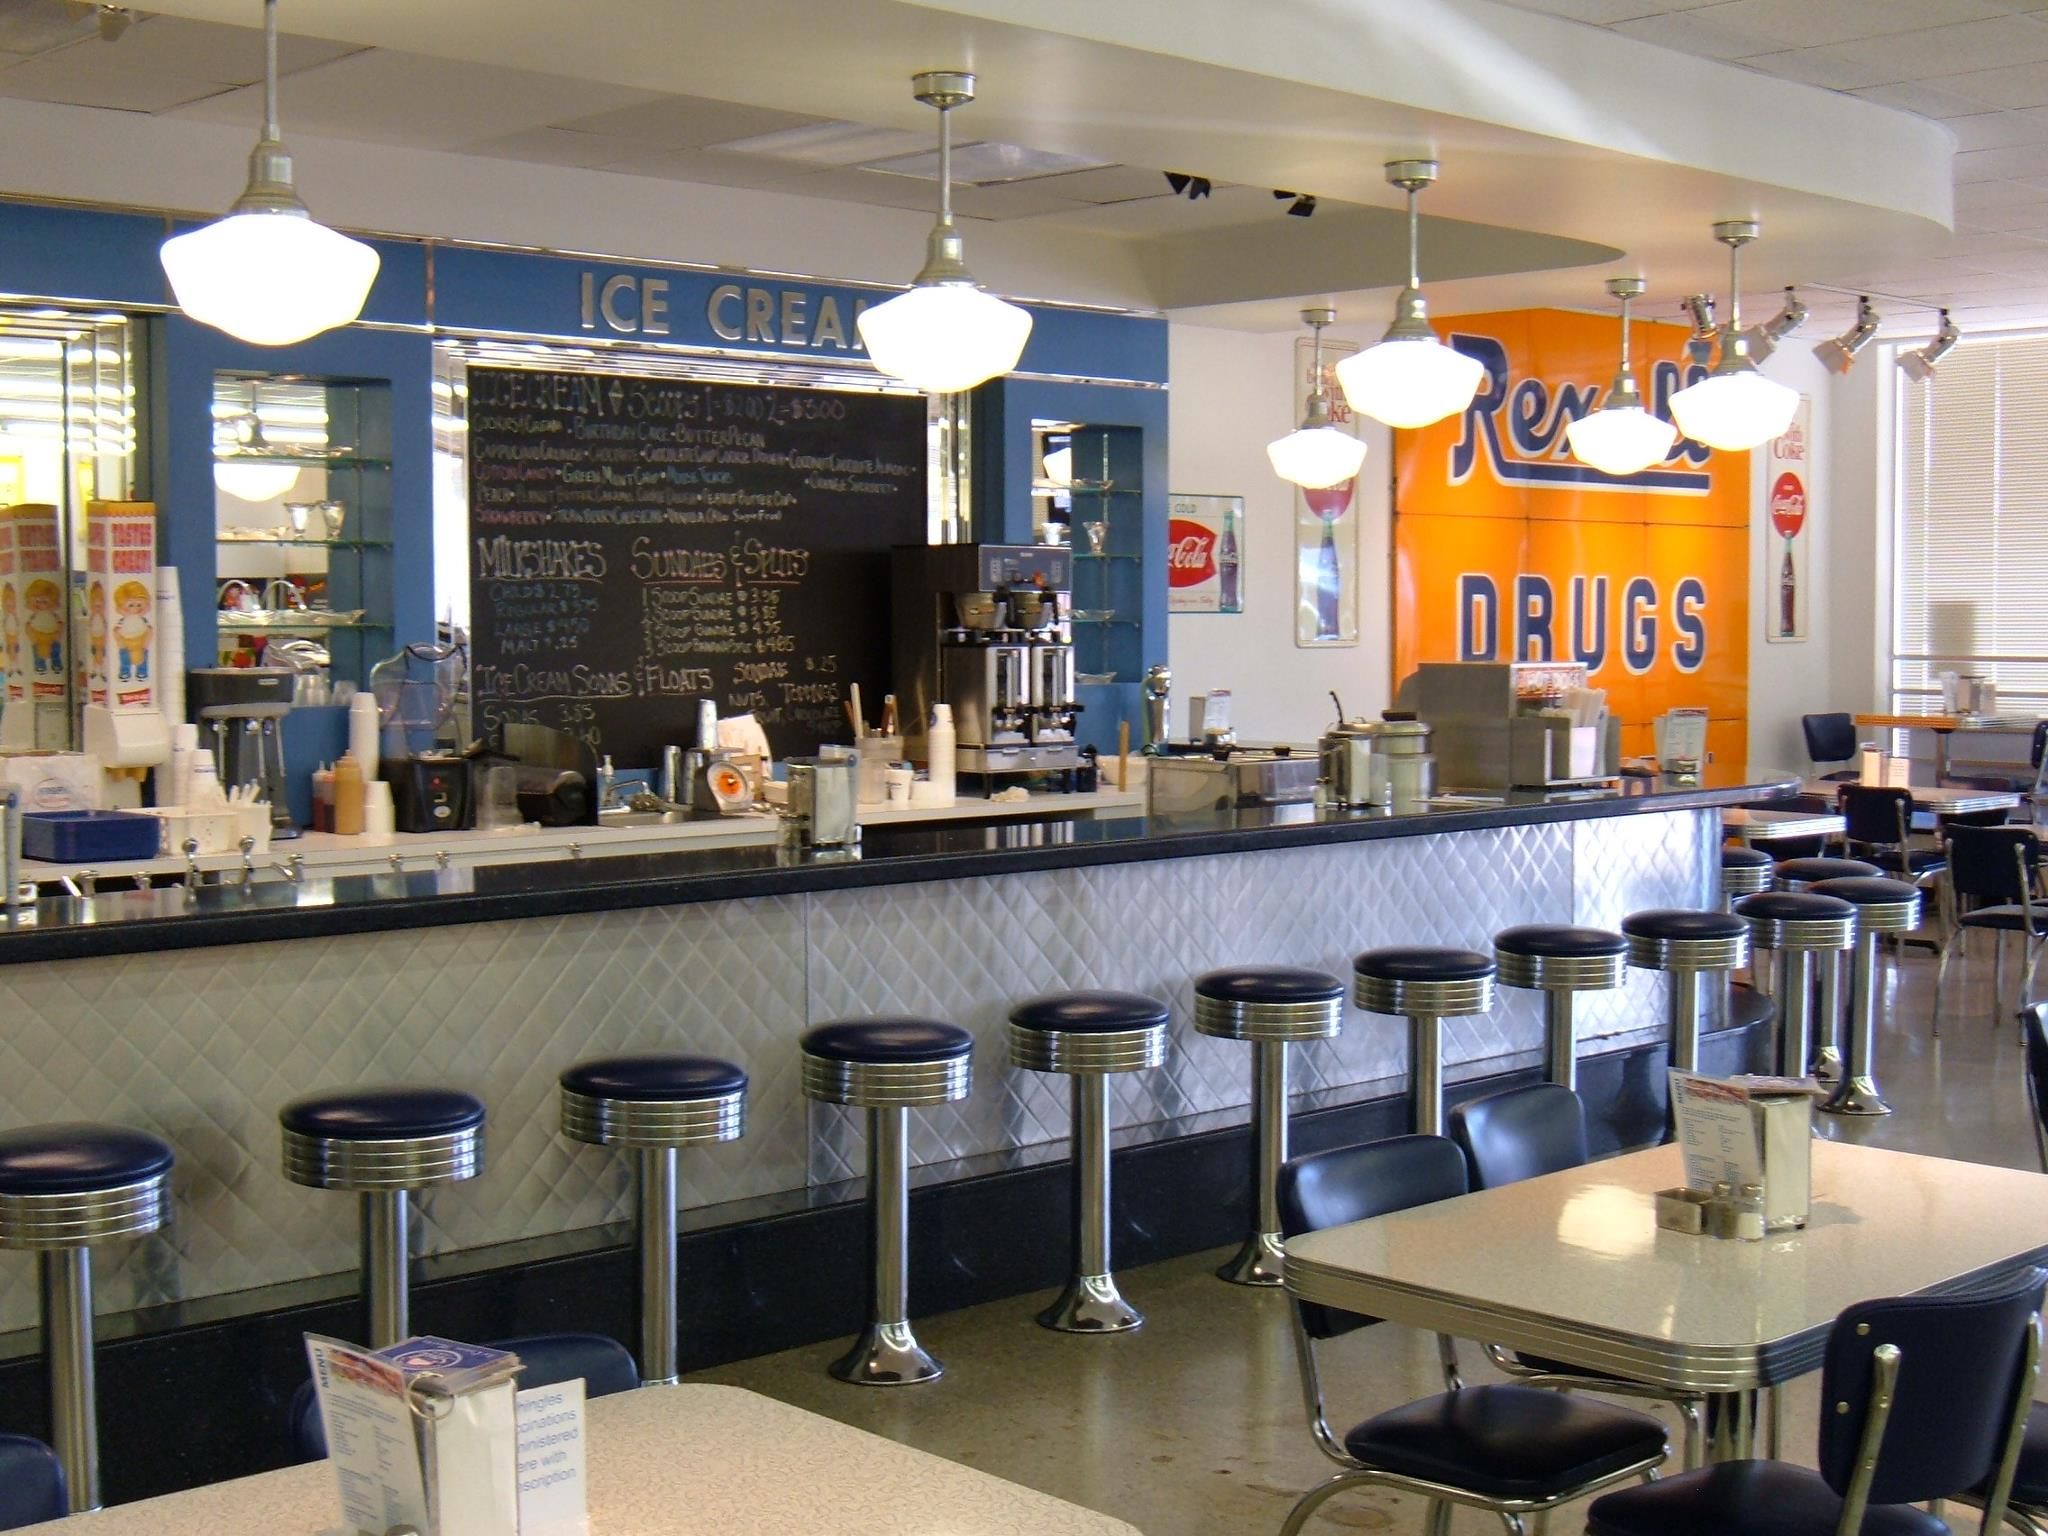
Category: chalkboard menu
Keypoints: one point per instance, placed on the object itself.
(637, 544)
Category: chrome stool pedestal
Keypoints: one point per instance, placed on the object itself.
(888, 1067)
(1687, 945)
(1087, 1036)
(1803, 875)
(1271, 1006)
(1560, 962)
(63, 1188)
(1425, 986)
(382, 1144)
(1796, 926)
(651, 1105)
(1882, 907)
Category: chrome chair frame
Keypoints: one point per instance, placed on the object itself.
(1691, 1407)
(1998, 1509)
(2034, 1104)
(2033, 942)
(1358, 1474)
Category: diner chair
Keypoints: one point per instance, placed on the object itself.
(2034, 1030)
(888, 1066)
(382, 1144)
(603, 1366)
(2037, 759)
(1922, 1398)
(1086, 1036)
(1993, 887)
(1878, 827)
(1798, 927)
(63, 1188)
(1424, 985)
(31, 1483)
(1524, 1133)
(2026, 1505)
(1744, 872)
(1830, 738)
(652, 1105)
(1272, 1006)
(1560, 961)
(1507, 1448)
(1687, 945)
(1882, 907)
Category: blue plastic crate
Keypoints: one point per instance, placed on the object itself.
(77, 837)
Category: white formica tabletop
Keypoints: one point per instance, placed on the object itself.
(1573, 1266)
(665, 1459)
(1941, 799)
(1751, 825)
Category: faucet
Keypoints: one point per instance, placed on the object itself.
(607, 792)
(293, 868)
(248, 847)
(10, 847)
(191, 851)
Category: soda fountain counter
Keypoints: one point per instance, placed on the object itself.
(197, 1014)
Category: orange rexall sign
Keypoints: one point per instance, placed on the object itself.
(1506, 548)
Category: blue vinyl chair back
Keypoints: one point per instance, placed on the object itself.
(544, 1359)
(1829, 738)
(1521, 1133)
(31, 1483)
(2034, 1028)
(1345, 1184)
(1960, 1361)
(1873, 817)
(1992, 864)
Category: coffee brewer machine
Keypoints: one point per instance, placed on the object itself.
(240, 712)
(986, 628)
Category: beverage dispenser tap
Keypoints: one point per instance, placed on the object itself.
(1158, 692)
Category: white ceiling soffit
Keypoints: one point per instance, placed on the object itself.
(1544, 126)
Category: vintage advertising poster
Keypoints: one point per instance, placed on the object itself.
(1506, 548)
(1787, 481)
(1325, 521)
(1204, 554)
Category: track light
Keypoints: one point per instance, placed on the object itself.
(1317, 453)
(1621, 438)
(1734, 408)
(1699, 346)
(1918, 365)
(1764, 339)
(1304, 205)
(1838, 353)
(113, 21)
(1194, 188)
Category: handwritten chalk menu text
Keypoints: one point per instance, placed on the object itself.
(637, 544)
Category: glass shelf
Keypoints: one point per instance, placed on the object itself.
(311, 618)
(1069, 487)
(1077, 619)
(286, 539)
(310, 459)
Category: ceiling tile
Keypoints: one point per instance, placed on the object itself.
(96, 74)
(1702, 33)
(710, 167)
(1820, 66)
(1816, 23)
(1953, 50)
(1601, 13)
(231, 55)
(1110, 184)
(1926, 100)
(1995, 130)
(685, 122)
(1010, 200)
(2006, 164)
(2018, 85)
(557, 146)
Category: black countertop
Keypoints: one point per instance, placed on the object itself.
(146, 921)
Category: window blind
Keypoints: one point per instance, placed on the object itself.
(1970, 572)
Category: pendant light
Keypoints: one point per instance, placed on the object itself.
(1621, 437)
(1734, 408)
(945, 334)
(1317, 453)
(1408, 378)
(267, 273)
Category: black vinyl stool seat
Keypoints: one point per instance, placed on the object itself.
(1424, 984)
(31, 1483)
(1923, 1398)
(1560, 961)
(1882, 907)
(1797, 927)
(1687, 944)
(652, 1104)
(1087, 1036)
(1271, 1006)
(887, 1066)
(1510, 1449)
(382, 1143)
(1797, 874)
(64, 1187)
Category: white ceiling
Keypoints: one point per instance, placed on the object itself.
(1978, 66)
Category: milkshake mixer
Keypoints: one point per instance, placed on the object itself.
(240, 712)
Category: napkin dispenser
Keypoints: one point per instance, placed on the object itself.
(1743, 1134)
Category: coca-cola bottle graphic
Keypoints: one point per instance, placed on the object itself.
(1788, 595)
(1329, 504)
(1227, 564)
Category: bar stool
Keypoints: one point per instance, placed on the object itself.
(63, 1188)
(1801, 875)
(1560, 962)
(1686, 945)
(1087, 1036)
(1882, 906)
(1796, 926)
(1271, 1006)
(887, 1067)
(1426, 986)
(651, 1105)
(1744, 872)
(383, 1143)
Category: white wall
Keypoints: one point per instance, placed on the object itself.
(1860, 570)
(1230, 396)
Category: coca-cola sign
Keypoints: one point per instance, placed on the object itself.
(1788, 505)
(1190, 553)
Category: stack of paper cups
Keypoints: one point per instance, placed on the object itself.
(362, 732)
(379, 820)
(170, 646)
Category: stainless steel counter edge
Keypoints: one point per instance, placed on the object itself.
(149, 921)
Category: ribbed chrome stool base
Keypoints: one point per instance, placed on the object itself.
(886, 1355)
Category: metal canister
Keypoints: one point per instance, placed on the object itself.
(1158, 694)
(1346, 753)
(1403, 764)
(823, 795)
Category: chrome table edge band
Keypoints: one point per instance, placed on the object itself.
(78, 1218)
(1232, 1019)
(1080, 1051)
(336, 1162)
(653, 1123)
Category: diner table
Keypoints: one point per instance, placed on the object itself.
(694, 1457)
(1573, 1267)
(1944, 728)
(1937, 799)
(1753, 825)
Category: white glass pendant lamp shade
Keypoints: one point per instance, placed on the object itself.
(1318, 453)
(268, 273)
(1734, 408)
(945, 334)
(1408, 378)
(1621, 438)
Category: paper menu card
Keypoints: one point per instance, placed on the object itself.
(369, 1437)
(1717, 1133)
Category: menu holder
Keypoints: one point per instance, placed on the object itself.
(1747, 1136)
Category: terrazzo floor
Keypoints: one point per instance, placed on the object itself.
(1193, 1426)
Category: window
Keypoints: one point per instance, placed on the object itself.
(1971, 561)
